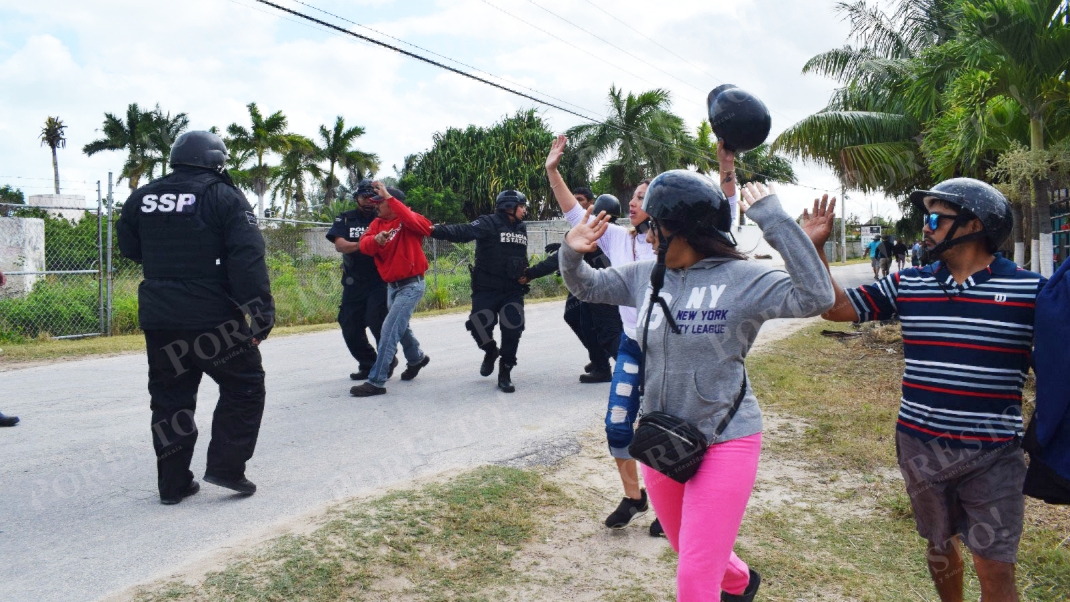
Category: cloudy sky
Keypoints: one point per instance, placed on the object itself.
(210, 58)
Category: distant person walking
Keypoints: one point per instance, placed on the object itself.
(872, 250)
(900, 252)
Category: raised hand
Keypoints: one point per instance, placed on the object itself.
(819, 222)
(380, 190)
(557, 150)
(754, 192)
(583, 237)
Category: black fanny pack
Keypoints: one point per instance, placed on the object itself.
(673, 446)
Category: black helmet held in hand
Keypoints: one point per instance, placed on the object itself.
(608, 203)
(974, 199)
(199, 149)
(738, 118)
(509, 199)
(690, 200)
(364, 188)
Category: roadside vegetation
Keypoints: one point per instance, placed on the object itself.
(829, 519)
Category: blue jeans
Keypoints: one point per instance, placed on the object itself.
(401, 301)
(624, 397)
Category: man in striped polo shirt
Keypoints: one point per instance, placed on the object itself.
(967, 338)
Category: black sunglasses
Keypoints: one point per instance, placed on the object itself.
(933, 220)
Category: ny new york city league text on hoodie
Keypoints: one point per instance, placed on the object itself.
(719, 305)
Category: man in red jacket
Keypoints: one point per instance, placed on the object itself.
(395, 241)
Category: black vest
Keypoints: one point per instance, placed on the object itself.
(500, 260)
(358, 269)
(177, 242)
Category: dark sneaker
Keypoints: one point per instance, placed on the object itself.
(242, 485)
(656, 530)
(491, 356)
(597, 376)
(366, 390)
(626, 511)
(411, 371)
(504, 382)
(363, 373)
(8, 420)
(193, 487)
(748, 594)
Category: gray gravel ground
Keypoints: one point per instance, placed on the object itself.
(79, 512)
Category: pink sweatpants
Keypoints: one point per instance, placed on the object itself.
(701, 518)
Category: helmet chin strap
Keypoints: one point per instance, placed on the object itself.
(657, 281)
(949, 241)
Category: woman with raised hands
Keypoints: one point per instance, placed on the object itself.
(701, 306)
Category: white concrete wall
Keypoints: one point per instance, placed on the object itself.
(22, 249)
(76, 203)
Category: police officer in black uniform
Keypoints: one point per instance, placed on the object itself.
(363, 290)
(497, 293)
(205, 304)
(597, 325)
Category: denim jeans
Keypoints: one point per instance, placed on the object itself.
(401, 301)
(624, 397)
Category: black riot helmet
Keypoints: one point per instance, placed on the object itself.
(974, 199)
(364, 188)
(199, 149)
(738, 118)
(510, 199)
(608, 203)
(694, 201)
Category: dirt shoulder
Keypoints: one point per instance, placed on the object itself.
(828, 519)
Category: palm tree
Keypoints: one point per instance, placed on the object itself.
(640, 134)
(265, 136)
(891, 85)
(126, 135)
(337, 150)
(52, 135)
(288, 179)
(1020, 50)
(161, 133)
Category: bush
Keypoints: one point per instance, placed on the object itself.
(57, 306)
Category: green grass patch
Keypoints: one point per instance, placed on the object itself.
(449, 541)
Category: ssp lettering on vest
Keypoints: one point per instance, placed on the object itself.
(168, 203)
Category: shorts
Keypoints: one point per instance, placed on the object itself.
(886, 263)
(875, 262)
(970, 493)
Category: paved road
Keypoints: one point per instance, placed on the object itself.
(80, 513)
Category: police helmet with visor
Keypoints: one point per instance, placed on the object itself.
(199, 149)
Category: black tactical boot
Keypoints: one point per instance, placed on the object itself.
(241, 484)
(361, 374)
(487, 367)
(504, 383)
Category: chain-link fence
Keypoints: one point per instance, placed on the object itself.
(57, 258)
(52, 257)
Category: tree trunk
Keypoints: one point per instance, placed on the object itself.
(55, 168)
(1042, 242)
(1016, 234)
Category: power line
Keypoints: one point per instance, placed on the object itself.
(597, 37)
(490, 83)
(566, 42)
(422, 58)
(476, 69)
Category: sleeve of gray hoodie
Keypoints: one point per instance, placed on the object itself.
(612, 286)
(805, 289)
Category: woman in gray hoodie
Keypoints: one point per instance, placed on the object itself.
(712, 304)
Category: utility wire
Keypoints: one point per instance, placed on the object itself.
(597, 37)
(659, 45)
(453, 60)
(566, 42)
(494, 84)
